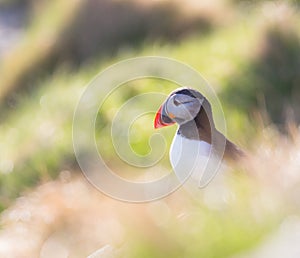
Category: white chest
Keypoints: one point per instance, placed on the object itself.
(189, 158)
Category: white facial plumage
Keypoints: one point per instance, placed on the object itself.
(183, 107)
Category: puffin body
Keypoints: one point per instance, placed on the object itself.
(198, 148)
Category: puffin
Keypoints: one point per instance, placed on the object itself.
(198, 149)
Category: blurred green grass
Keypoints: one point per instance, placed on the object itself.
(242, 57)
(41, 112)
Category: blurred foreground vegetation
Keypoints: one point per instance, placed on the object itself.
(250, 54)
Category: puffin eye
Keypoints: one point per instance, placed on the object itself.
(176, 102)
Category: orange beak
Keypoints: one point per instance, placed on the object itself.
(159, 122)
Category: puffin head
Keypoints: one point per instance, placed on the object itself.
(181, 106)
